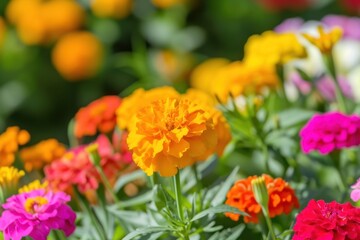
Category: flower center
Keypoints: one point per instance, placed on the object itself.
(33, 204)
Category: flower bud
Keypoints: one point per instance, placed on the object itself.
(260, 192)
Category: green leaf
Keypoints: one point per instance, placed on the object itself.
(125, 179)
(134, 218)
(304, 75)
(218, 209)
(221, 195)
(143, 231)
(138, 200)
(229, 234)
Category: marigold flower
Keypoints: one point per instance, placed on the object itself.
(77, 55)
(137, 100)
(9, 144)
(76, 168)
(43, 153)
(282, 198)
(35, 214)
(324, 41)
(112, 8)
(170, 134)
(329, 131)
(320, 220)
(355, 193)
(9, 179)
(34, 185)
(205, 74)
(99, 115)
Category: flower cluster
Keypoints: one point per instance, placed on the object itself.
(330, 131)
(9, 144)
(282, 198)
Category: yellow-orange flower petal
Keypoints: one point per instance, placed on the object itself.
(34, 185)
(167, 3)
(170, 134)
(112, 8)
(324, 41)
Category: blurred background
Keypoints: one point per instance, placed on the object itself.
(58, 55)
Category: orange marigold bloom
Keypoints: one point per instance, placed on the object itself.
(99, 115)
(9, 144)
(77, 55)
(170, 134)
(139, 99)
(282, 198)
(41, 154)
(112, 8)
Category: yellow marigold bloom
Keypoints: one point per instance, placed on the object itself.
(9, 179)
(167, 3)
(273, 48)
(34, 185)
(77, 55)
(324, 41)
(16, 9)
(137, 100)
(205, 74)
(111, 8)
(170, 134)
(9, 144)
(41, 154)
(221, 126)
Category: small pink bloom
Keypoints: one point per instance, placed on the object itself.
(329, 131)
(35, 214)
(327, 221)
(355, 193)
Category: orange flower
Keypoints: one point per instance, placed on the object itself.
(43, 153)
(99, 115)
(77, 55)
(282, 198)
(170, 134)
(111, 8)
(139, 99)
(9, 144)
(167, 3)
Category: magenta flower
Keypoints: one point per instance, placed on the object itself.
(35, 214)
(355, 193)
(327, 221)
(329, 131)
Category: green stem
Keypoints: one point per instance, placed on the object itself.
(176, 180)
(269, 223)
(107, 184)
(154, 179)
(198, 184)
(280, 74)
(336, 160)
(330, 65)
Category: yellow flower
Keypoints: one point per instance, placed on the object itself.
(271, 48)
(9, 144)
(205, 74)
(221, 126)
(137, 100)
(111, 8)
(77, 55)
(324, 41)
(170, 134)
(34, 185)
(43, 153)
(9, 179)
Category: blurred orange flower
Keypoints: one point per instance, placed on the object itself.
(112, 8)
(41, 154)
(77, 55)
(99, 115)
(167, 3)
(9, 144)
(137, 100)
(282, 198)
(170, 134)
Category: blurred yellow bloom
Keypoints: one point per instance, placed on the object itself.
(324, 41)
(34, 185)
(2, 30)
(137, 100)
(111, 8)
(221, 126)
(9, 144)
(77, 55)
(170, 134)
(271, 48)
(205, 74)
(40, 21)
(41, 154)
(9, 179)
(167, 3)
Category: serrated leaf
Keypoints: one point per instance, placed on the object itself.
(218, 209)
(143, 231)
(221, 195)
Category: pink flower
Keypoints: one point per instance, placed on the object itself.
(329, 131)
(349, 25)
(327, 221)
(35, 214)
(355, 193)
(76, 168)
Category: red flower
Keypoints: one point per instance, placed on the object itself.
(327, 221)
(279, 5)
(99, 115)
(353, 6)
